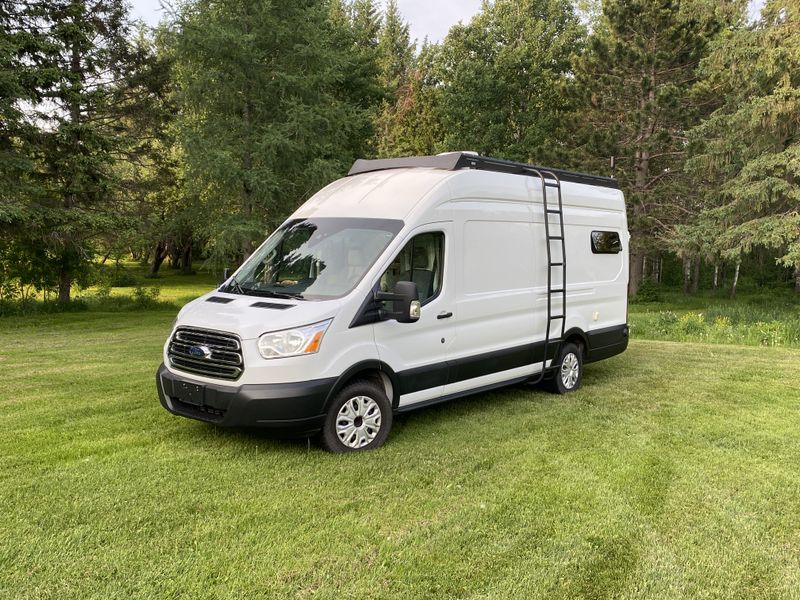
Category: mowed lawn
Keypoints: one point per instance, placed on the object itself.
(673, 472)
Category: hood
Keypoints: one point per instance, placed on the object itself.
(250, 316)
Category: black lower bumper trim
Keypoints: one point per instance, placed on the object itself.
(297, 408)
(607, 342)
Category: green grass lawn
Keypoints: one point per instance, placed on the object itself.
(674, 472)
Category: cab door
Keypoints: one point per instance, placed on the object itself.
(418, 352)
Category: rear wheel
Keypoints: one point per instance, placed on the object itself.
(569, 372)
(359, 418)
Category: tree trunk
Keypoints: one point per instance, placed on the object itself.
(187, 259)
(635, 276)
(660, 268)
(696, 276)
(797, 278)
(687, 275)
(70, 196)
(64, 284)
(716, 275)
(735, 278)
(158, 257)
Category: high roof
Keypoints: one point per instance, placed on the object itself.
(454, 161)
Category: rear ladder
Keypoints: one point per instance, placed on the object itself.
(550, 180)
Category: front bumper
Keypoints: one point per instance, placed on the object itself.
(291, 408)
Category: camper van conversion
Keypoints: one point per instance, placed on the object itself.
(409, 282)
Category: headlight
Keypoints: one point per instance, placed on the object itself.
(293, 342)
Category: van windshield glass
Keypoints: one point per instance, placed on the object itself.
(315, 259)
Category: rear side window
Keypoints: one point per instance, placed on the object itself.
(606, 242)
(421, 261)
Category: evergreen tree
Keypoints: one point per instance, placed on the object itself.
(78, 61)
(395, 61)
(503, 78)
(395, 49)
(749, 149)
(267, 116)
(416, 126)
(637, 78)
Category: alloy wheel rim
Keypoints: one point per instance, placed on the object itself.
(358, 422)
(570, 368)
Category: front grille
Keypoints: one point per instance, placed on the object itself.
(209, 353)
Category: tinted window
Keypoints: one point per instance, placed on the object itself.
(420, 261)
(606, 242)
(316, 259)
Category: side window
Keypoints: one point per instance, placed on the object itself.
(420, 261)
(606, 242)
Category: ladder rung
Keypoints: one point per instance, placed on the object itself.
(557, 264)
(555, 237)
(554, 211)
(555, 185)
(557, 291)
(554, 317)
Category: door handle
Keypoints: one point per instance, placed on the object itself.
(444, 315)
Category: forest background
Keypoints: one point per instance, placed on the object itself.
(188, 142)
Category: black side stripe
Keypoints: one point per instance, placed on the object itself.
(453, 371)
(603, 343)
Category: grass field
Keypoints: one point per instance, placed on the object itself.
(672, 473)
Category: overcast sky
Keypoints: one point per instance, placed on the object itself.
(432, 18)
(426, 17)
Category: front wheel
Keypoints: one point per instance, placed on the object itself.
(569, 371)
(359, 418)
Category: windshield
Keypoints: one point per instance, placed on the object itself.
(315, 259)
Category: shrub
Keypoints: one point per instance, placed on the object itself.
(145, 297)
(693, 323)
(665, 321)
(770, 334)
(649, 291)
(122, 278)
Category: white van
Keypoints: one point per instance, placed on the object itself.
(409, 282)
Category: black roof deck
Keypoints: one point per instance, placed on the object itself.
(454, 161)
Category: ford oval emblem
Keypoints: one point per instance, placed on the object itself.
(200, 351)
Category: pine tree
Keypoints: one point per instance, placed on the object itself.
(395, 49)
(273, 106)
(637, 78)
(80, 63)
(749, 149)
(395, 61)
(504, 75)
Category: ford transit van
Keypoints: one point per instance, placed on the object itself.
(409, 282)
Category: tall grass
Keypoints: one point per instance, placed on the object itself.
(759, 319)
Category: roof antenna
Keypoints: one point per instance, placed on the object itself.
(613, 167)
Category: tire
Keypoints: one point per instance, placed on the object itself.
(567, 377)
(364, 406)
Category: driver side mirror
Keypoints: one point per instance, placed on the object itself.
(406, 307)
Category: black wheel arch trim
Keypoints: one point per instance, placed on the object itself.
(577, 331)
(361, 367)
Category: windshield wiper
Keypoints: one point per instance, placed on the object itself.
(235, 286)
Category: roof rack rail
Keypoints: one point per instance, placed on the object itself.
(453, 161)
